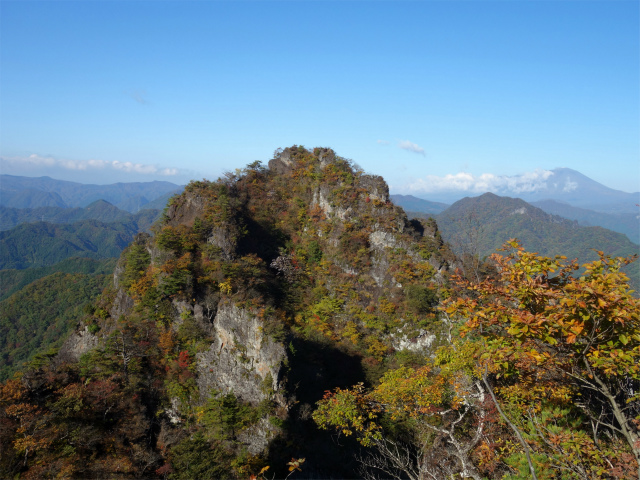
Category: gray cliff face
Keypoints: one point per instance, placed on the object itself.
(118, 272)
(376, 186)
(241, 358)
(82, 340)
(123, 304)
(191, 208)
(78, 343)
(225, 238)
(282, 163)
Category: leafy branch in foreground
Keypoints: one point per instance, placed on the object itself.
(557, 343)
(442, 405)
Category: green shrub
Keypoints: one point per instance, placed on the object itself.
(421, 299)
(196, 457)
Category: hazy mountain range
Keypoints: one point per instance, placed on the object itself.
(572, 187)
(30, 192)
(99, 210)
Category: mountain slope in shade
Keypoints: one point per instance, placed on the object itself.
(627, 223)
(127, 196)
(414, 204)
(491, 220)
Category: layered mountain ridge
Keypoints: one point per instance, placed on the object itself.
(29, 192)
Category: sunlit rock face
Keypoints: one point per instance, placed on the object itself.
(241, 358)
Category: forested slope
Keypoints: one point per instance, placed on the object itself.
(100, 210)
(12, 280)
(41, 316)
(41, 244)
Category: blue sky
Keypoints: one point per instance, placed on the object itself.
(422, 92)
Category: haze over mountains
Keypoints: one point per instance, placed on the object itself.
(572, 187)
(32, 192)
(561, 184)
(563, 192)
(99, 210)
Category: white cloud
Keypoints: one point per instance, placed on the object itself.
(411, 147)
(36, 161)
(486, 182)
(569, 186)
(382, 142)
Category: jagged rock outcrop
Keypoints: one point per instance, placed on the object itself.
(78, 343)
(225, 238)
(185, 213)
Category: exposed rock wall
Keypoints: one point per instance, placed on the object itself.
(78, 343)
(184, 213)
(241, 358)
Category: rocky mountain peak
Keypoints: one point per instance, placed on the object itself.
(252, 282)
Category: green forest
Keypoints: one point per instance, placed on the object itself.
(476, 227)
(42, 244)
(290, 321)
(99, 210)
(39, 317)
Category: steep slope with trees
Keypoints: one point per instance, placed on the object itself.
(40, 316)
(539, 379)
